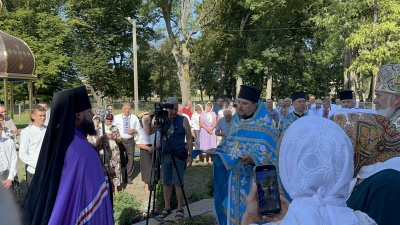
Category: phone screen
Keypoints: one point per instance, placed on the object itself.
(268, 190)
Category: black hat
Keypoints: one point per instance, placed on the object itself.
(298, 95)
(250, 93)
(347, 94)
(41, 196)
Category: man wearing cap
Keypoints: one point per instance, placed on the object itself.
(250, 141)
(387, 93)
(346, 99)
(375, 188)
(176, 129)
(300, 110)
(70, 185)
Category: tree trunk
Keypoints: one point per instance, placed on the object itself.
(182, 61)
(375, 5)
(222, 81)
(184, 77)
(268, 91)
(359, 86)
(239, 80)
(349, 76)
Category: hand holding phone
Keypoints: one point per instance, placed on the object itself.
(268, 190)
(113, 130)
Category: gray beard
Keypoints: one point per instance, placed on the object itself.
(388, 112)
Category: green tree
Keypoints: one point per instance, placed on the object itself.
(367, 34)
(40, 25)
(102, 39)
(184, 19)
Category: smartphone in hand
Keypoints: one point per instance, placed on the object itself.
(268, 190)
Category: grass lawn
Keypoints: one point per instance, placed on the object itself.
(198, 178)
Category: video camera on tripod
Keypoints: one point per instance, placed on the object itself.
(160, 114)
(161, 119)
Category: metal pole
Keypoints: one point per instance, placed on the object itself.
(5, 82)
(135, 70)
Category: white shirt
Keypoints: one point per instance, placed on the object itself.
(195, 121)
(278, 110)
(363, 218)
(331, 112)
(8, 122)
(46, 122)
(8, 157)
(142, 138)
(133, 124)
(31, 143)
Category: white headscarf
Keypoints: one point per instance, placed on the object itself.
(316, 167)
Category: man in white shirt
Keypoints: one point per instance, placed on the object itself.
(44, 105)
(223, 124)
(128, 124)
(317, 108)
(326, 111)
(312, 102)
(288, 103)
(31, 141)
(333, 106)
(8, 122)
(338, 104)
(8, 161)
(279, 107)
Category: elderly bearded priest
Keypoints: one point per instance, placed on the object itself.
(377, 187)
(387, 91)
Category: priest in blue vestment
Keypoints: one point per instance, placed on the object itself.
(250, 141)
(300, 110)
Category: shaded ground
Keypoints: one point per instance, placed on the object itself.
(196, 179)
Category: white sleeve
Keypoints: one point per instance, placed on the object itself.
(24, 150)
(136, 123)
(138, 138)
(14, 161)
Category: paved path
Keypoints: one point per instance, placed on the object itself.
(196, 208)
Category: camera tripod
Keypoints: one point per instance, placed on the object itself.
(155, 167)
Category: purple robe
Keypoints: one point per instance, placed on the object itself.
(84, 194)
(207, 140)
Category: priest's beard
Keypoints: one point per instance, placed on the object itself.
(88, 127)
(388, 112)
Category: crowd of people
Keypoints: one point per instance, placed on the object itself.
(337, 163)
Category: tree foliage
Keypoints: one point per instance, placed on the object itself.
(319, 47)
